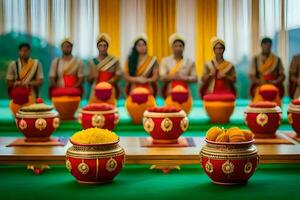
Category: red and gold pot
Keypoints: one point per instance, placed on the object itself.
(263, 119)
(95, 163)
(165, 124)
(294, 116)
(229, 163)
(37, 122)
(101, 115)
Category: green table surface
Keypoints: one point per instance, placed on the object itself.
(138, 182)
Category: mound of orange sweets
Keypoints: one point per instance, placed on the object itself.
(233, 134)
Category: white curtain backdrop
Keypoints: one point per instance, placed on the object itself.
(133, 17)
(60, 21)
(186, 24)
(14, 16)
(234, 27)
(86, 28)
(269, 17)
(39, 18)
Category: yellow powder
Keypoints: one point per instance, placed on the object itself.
(94, 136)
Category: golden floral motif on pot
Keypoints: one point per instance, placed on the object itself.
(98, 121)
(184, 123)
(56, 122)
(68, 165)
(262, 119)
(40, 124)
(248, 167)
(209, 167)
(22, 124)
(227, 167)
(83, 168)
(148, 124)
(111, 165)
(166, 125)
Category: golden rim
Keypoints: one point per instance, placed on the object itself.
(276, 109)
(294, 108)
(98, 112)
(164, 115)
(86, 156)
(50, 114)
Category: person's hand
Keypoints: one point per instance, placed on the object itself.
(141, 79)
(175, 77)
(17, 83)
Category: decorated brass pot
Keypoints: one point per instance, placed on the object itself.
(165, 124)
(37, 121)
(294, 116)
(95, 163)
(229, 163)
(101, 115)
(263, 119)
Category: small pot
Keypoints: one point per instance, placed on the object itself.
(99, 116)
(263, 119)
(165, 124)
(229, 163)
(294, 116)
(37, 122)
(95, 163)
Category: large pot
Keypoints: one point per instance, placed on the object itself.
(219, 107)
(165, 124)
(37, 121)
(263, 119)
(229, 163)
(66, 101)
(137, 102)
(294, 115)
(101, 115)
(95, 163)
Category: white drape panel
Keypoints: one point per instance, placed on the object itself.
(60, 21)
(234, 24)
(293, 14)
(39, 18)
(133, 17)
(186, 24)
(269, 17)
(14, 16)
(86, 28)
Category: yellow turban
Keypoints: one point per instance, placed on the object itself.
(215, 40)
(142, 36)
(103, 37)
(66, 40)
(175, 37)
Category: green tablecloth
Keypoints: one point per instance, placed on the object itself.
(280, 181)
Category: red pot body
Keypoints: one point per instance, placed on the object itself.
(92, 164)
(229, 164)
(165, 127)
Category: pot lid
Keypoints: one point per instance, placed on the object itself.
(164, 109)
(263, 104)
(296, 102)
(39, 106)
(98, 107)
